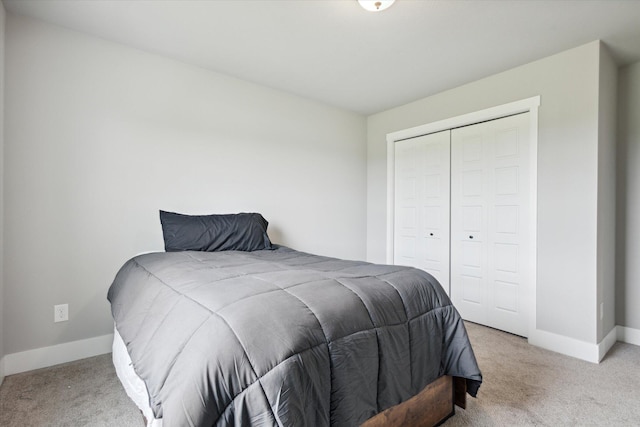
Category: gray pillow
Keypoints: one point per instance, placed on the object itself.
(211, 233)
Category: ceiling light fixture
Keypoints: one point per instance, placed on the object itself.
(375, 5)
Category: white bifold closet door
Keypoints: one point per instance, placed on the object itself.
(490, 223)
(422, 183)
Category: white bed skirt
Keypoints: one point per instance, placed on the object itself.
(133, 385)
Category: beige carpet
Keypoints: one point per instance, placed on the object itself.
(82, 393)
(523, 385)
(528, 386)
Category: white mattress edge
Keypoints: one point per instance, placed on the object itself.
(132, 383)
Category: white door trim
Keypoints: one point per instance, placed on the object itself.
(525, 105)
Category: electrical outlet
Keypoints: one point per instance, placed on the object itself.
(61, 313)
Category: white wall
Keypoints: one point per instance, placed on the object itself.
(99, 137)
(628, 213)
(568, 84)
(2, 298)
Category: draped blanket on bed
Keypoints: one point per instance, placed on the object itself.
(281, 337)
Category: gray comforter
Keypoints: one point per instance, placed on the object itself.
(281, 337)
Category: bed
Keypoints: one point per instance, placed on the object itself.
(262, 334)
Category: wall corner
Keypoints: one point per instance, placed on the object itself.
(2, 298)
(606, 192)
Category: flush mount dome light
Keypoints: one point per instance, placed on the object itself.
(375, 5)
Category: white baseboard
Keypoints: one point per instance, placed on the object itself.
(593, 353)
(565, 345)
(56, 354)
(1, 369)
(628, 335)
(605, 345)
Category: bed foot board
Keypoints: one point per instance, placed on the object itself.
(431, 407)
(460, 392)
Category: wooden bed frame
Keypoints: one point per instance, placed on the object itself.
(431, 407)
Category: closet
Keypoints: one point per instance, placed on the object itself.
(461, 213)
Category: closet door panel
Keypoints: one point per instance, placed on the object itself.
(509, 273)
(468, 224)
(490, 213)
(406, 207)
(422, 204)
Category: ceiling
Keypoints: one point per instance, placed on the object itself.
(335, 52)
